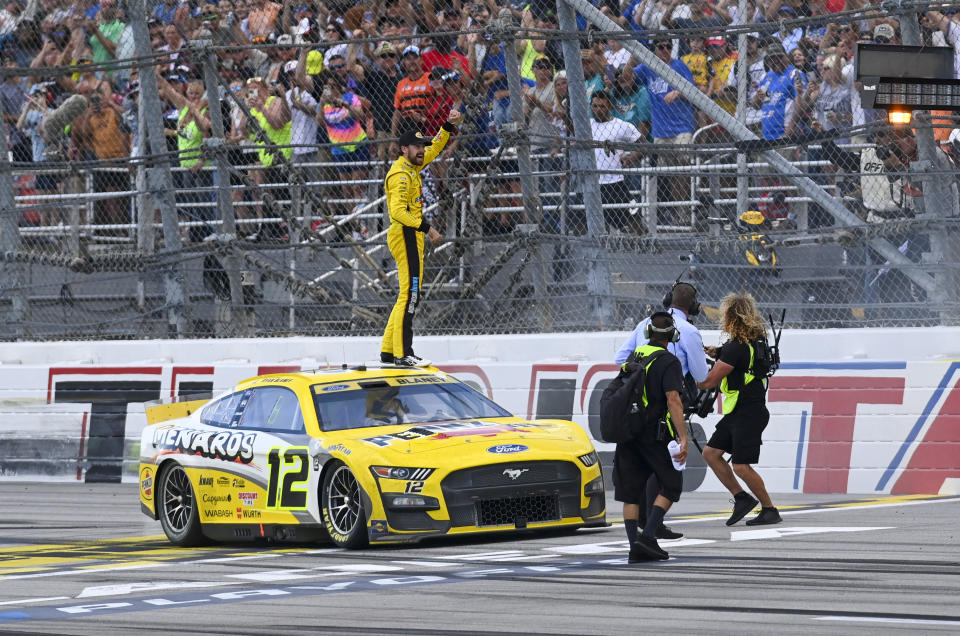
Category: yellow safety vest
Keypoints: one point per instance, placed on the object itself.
(730, 396)
(639, 353)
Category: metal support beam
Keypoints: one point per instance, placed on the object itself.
(10, 241)
(159, 176)
(528, 182)
(231, 261)
(937, 196)
(698, 99)
(583, 164)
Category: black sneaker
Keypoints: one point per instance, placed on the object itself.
(767, 517)
(646, 548)
(742, 504)
(663, 532)
(411, 361)
(386, 358)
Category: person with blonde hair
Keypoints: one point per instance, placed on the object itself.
(745, 414)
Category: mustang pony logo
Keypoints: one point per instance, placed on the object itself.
(514, 473)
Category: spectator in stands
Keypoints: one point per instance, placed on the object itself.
(166, 11)
(631, 101)
(696, 61)
(439, 105)
(303, 121)
(614, 193)
(241, 152)
(193, 125)
(273, 118)
(594, 67)
(778, 92)
(379, 87)
(788, 36)
(349, 124)
(13, 96)
(444, 56)
(831, 99)
(672, 121)
(756, 70)
(334, 36)
(99, 132)
(411, 99)
(105, 32)
(721, 63)
(35, 111)
(950, 27)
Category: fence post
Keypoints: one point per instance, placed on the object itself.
(743, 80)
(584, 168)
(528, 182)
(936, 198)
(160, 179)
(10, 239)
(228, 229)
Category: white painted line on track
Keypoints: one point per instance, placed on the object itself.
(776, 533)
(24, 601)
(891, 619)
(429, 564)
(831, 508)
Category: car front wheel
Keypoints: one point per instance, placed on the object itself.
(177, 507)
(343, 514)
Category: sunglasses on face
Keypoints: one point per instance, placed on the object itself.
(664, 47)
(337, 67)
(882, 40)
(385, 56)
(236, 89)
(331, 30)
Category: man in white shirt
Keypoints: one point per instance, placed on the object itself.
(610, 161)
(303, 125)
(951, 33)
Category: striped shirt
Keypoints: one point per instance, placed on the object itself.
(343, 129)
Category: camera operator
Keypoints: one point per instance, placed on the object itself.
(745, 414)
(681, 303)
(634, 461)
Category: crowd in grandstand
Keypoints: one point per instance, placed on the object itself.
(324, 91)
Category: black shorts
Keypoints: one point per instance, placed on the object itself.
(740, 432)
(632, 464)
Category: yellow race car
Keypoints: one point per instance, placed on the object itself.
(359, 456)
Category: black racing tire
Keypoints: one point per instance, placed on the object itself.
(177, 507)
(341, 500)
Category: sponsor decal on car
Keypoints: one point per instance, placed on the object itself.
(242, 513)
(506, 449)
(248, 498)
(217, 513)
(335, 387)
(239, 482)
(446, 430)
(378, 527)
(230, 446)
(215, 499)
(146, 482)
(206, 481)
(223, 481)
(338, 448)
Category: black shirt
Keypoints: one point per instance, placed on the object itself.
(665, 374)
(380, 88)
(737, 355)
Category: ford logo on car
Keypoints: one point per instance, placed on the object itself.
(336, 387)
(506, 449)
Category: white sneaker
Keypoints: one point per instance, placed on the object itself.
(411, 361)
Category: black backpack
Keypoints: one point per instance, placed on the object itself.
(766, 357)
(622, 413)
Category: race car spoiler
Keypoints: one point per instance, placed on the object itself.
(173, 408)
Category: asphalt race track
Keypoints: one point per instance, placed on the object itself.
(82, 559)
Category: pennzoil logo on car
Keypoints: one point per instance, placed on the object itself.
(146, 482)
(506, 449)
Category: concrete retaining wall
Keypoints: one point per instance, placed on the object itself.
(853, 411)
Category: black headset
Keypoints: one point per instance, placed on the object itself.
(671, 332)
(668, 298)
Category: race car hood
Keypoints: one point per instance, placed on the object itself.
(499, 436)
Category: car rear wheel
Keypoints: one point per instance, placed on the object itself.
(177, 507)
(343, 514)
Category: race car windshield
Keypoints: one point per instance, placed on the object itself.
(381, 404)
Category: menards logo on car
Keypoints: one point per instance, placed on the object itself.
(228, 446)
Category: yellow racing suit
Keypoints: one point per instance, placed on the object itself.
(405, 240)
